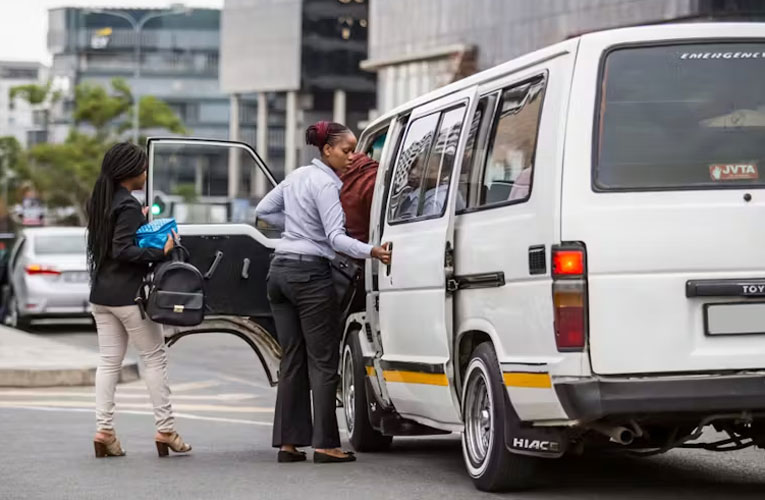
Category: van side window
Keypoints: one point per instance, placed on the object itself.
(475, 151)
(410, 166)
(509, 164)
(424, 167)
(375, 148)
(438, 174)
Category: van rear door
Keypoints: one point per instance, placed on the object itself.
(667, 197)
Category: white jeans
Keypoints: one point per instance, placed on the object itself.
(115, 325)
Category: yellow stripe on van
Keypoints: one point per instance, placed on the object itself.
(415, 377)
(529, 380)
(371, 371)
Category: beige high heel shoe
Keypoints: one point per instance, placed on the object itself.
(171, 441)
(109, 446)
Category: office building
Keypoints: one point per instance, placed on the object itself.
(179, 62)
(19, 118)
(417, 46)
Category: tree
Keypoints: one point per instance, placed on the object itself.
(64, 173)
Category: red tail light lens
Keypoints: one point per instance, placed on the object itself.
(36, 269)
(568, 262)
(569, 291)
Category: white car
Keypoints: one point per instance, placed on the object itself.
(47, 276)
(578, 240)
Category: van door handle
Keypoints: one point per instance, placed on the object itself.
(214, 265)
(390, 249)
(246, 269)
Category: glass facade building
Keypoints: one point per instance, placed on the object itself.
(179, 62)
(417, 46)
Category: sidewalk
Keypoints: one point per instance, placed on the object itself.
(29, 360)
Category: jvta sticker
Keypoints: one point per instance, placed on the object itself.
(733, 172)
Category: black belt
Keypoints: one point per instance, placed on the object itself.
(299, 257)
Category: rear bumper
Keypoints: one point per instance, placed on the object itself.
(591, 399)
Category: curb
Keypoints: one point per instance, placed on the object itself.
(20, 377)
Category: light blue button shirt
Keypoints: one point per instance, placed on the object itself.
(307, 205)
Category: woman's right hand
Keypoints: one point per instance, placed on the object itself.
(382, 253)
(170, 243)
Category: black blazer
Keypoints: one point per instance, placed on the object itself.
(119, 277)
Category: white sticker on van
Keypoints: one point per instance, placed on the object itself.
(733, 172)
(722, 55)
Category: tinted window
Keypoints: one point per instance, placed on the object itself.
(683, 116)
(510, 161)
(375, 149)
(438, 173)
(410, 167)
(60, 244)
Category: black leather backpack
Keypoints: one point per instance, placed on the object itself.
(175, 293)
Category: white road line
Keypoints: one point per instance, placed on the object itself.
(135, 412)
(260, 385)
(190, 386)
(62, 394)
(176, 406)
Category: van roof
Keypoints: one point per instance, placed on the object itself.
(677, 30)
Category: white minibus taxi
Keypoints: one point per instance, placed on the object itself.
(577, 241)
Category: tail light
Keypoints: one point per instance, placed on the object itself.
(36, 269)
(569, 289)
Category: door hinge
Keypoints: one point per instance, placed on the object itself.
(452, 285)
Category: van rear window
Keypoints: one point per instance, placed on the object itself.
(682, 117)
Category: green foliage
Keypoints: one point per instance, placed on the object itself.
(186, 191)
(65, 173)
(94, 105)
(32, 93)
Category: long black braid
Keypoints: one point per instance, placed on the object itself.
(122, 161)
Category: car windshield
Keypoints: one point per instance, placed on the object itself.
(60, 244)
(682, 117)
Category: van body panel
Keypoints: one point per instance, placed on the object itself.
(644, 243)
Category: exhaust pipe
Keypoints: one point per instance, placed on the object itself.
(617, 433)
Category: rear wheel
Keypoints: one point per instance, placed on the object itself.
(362, 435)
(487, 460)
(12, 316)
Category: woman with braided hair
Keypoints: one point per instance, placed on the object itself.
(302, 295)
(117, 268)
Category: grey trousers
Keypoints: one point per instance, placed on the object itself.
(115, 325)
(305, 309)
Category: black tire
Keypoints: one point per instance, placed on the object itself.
(484, 400)
(362, 435)
(13, 318)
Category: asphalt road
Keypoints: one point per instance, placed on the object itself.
(224, 408)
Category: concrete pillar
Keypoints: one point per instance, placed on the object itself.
(259, 187)
(290, 133)
(234, 153)
(339, 107)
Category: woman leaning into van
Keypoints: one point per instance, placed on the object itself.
(117, 267)
(302, 295)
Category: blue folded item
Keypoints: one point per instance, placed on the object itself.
(154, 234)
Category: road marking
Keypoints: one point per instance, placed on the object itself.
(190, 386)
(135, 412)
(120, 395)
(181, 406)
(238, 380)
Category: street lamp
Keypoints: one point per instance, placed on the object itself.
(137, 25)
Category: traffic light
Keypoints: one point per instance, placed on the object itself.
(158, 206)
